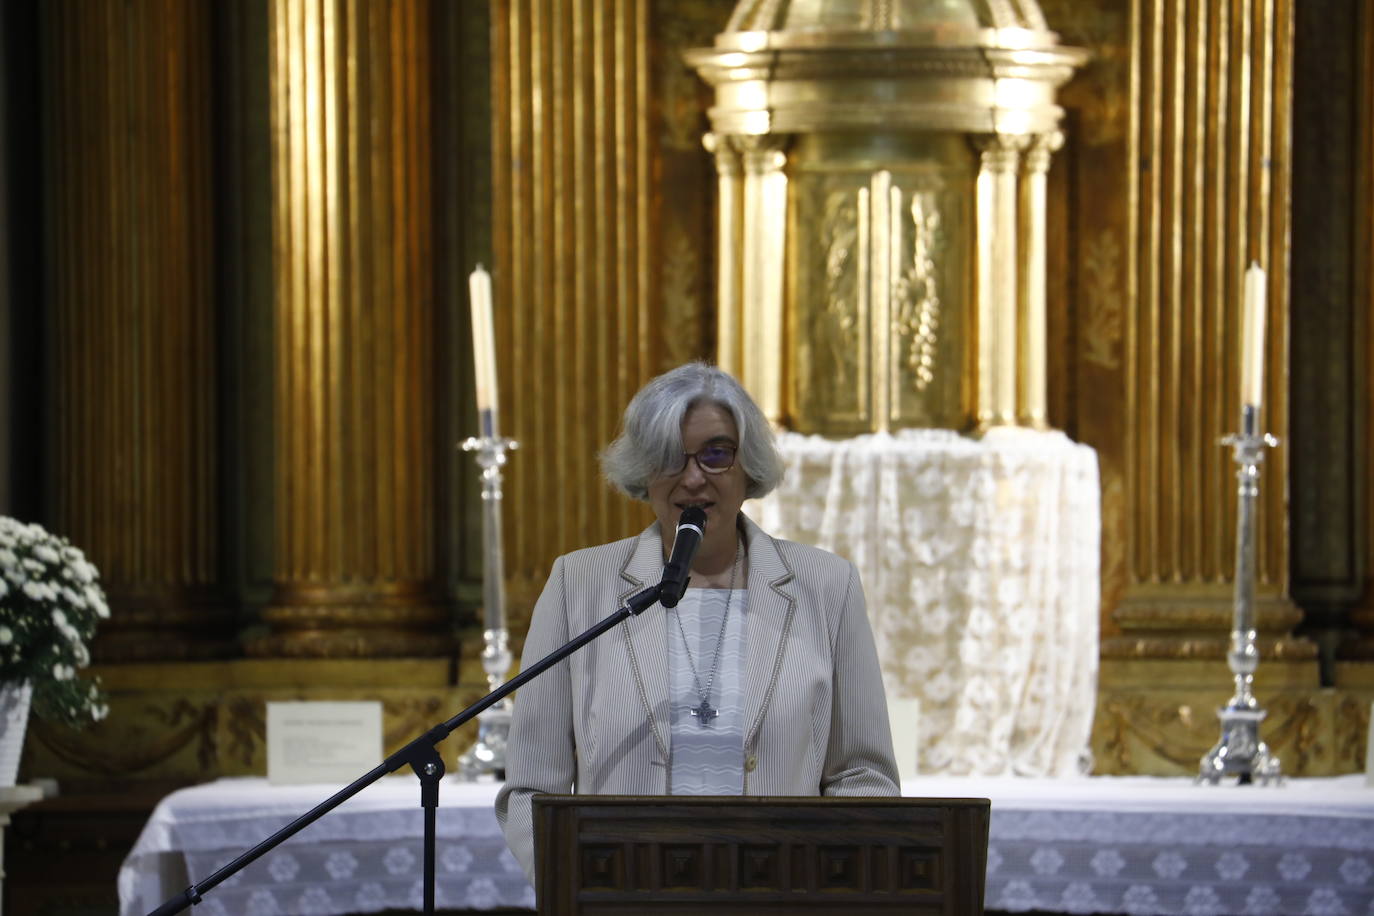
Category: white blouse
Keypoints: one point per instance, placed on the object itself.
(707, 759)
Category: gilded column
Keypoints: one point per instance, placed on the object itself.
(880, 233)
(763, 270)
(996, 269)
(354, 459)
(1033, 339)
(579, 259)
(131, 309)
(729, 242)
(1211, 151)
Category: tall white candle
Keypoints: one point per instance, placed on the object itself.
(1252, 338)
(483, 338)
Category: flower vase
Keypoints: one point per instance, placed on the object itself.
(15, 697)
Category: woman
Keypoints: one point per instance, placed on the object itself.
(762, 681)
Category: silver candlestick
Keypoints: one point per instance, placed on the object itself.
(1240, 752)
(488, 756)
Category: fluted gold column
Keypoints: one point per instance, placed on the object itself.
(354, 433)
(1032, 320)
(996, 269)
(729, 243)
(576, 259)
(129, 278)
(1210, 135)
(764, 250)
(880, 233)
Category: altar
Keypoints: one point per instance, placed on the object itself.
(1137, 845)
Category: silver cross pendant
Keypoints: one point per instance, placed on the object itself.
(704, 714)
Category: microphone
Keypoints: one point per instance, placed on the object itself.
(691, 528)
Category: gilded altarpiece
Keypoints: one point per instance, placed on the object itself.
(601, 216)
(1176, 174)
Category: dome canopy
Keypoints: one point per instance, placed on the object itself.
(985, 23)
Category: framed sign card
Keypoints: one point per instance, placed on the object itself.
(317, 742)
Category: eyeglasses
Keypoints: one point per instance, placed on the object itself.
(712, 459)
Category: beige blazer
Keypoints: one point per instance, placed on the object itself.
(815, 714)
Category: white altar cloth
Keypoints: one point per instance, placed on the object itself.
(364, 857)
(979, 559)
(1136, 845)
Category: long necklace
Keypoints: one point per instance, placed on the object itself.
(706, 712)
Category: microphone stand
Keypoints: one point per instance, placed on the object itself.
(423, 758)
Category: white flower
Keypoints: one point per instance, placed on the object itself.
(1140, 898)
(1262, 899)
(342, 865)
(1355, 870)
(1169, 865)
(1232, 866)
(50, 599)
(1078, 897)
(1202, 900)
(1046, 861)
(1107, 862)
(482, 894)
(398, 861)
(1294, 867)
(283, 866)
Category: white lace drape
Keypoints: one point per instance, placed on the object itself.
(980, 564)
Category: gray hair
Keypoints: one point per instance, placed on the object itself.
(650, 436)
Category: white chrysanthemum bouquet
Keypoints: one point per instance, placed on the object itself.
(50, 602)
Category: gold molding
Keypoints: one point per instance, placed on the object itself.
(1158, 717)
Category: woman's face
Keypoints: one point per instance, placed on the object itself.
(719, 495)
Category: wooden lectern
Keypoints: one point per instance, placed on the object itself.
(606, 854)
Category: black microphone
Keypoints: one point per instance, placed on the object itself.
(691, 528)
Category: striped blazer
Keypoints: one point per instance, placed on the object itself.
(815, 713)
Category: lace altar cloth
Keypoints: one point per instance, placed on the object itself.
(1144, 845)
(979, 561)
(1137, 845)
(364, 857)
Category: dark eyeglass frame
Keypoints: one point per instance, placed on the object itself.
(705, 469)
